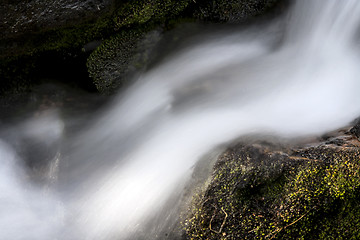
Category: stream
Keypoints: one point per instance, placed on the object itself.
(121, 171)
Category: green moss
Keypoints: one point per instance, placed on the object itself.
(260, 193)
(232, 10)
(66, 38)
(137, 23)
(321, 191)
(143, 11)
(111, 60)
(113, 27)
(18, 61)
(75, 35)
(112, 64)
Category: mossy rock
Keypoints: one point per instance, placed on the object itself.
(138, 12)
(268, 191)
(140, 24)
(113, 63)
(31, 29)
(33, 26)
(34, 30)
(234, 11)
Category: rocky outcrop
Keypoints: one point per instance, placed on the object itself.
(20, 17)
(263, 190)
(142, 24)
(138, 26)
(119, 58)
(25, 21)
(233, 11)
(39, 35)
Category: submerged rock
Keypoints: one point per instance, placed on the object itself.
(263, 190)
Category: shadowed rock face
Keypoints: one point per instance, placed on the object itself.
(38, 32)
(263, 190)
(19, 17)
(232, 11)
(42, 35)
(33, 26)
(131, 49)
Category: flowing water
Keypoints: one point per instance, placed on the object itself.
(115, 177)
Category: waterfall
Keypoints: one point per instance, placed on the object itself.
(113, 178)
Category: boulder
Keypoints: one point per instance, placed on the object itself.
(267, 190)
(45, 36)
(234, 11)
(42, 36)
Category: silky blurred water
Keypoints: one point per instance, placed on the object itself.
(121, 176)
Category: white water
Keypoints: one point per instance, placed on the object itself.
(110, 181)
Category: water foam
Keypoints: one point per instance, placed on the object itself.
(121, 171)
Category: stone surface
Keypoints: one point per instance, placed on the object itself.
(267, 190)
(20, 17)
(33, 30)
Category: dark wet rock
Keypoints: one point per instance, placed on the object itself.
(112, 62)
(267, 190)
(140, 25)
(234, 11)
(37, 32)
(115, 62)
(40, 35)
(67, 30)
(21, 17)
(355, 130)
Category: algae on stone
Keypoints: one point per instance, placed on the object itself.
(263, 191)
(232, 11)
(143, 11)
(113, 63)
(66, 30)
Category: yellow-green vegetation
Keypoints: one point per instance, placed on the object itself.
(123, 14)
(64, 38)
(116, 25)
(260, 191)
(120, 26)
(118, 57)
(137, 24)
(19, 58)
(143, 11)
(233, 10)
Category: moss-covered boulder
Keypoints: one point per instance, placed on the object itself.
(33, 25)
(234, 11)
(263, 190)
(42, 35)
(138, 27)
(115, 62)
(111, 64)
(38, 35)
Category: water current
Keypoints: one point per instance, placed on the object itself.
(293, 77)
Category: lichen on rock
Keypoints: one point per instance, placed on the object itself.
(232, 11)
(118, 58)
(263, 190)
(144, 11)
(36, 28)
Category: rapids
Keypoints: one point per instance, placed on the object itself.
(112, 179)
